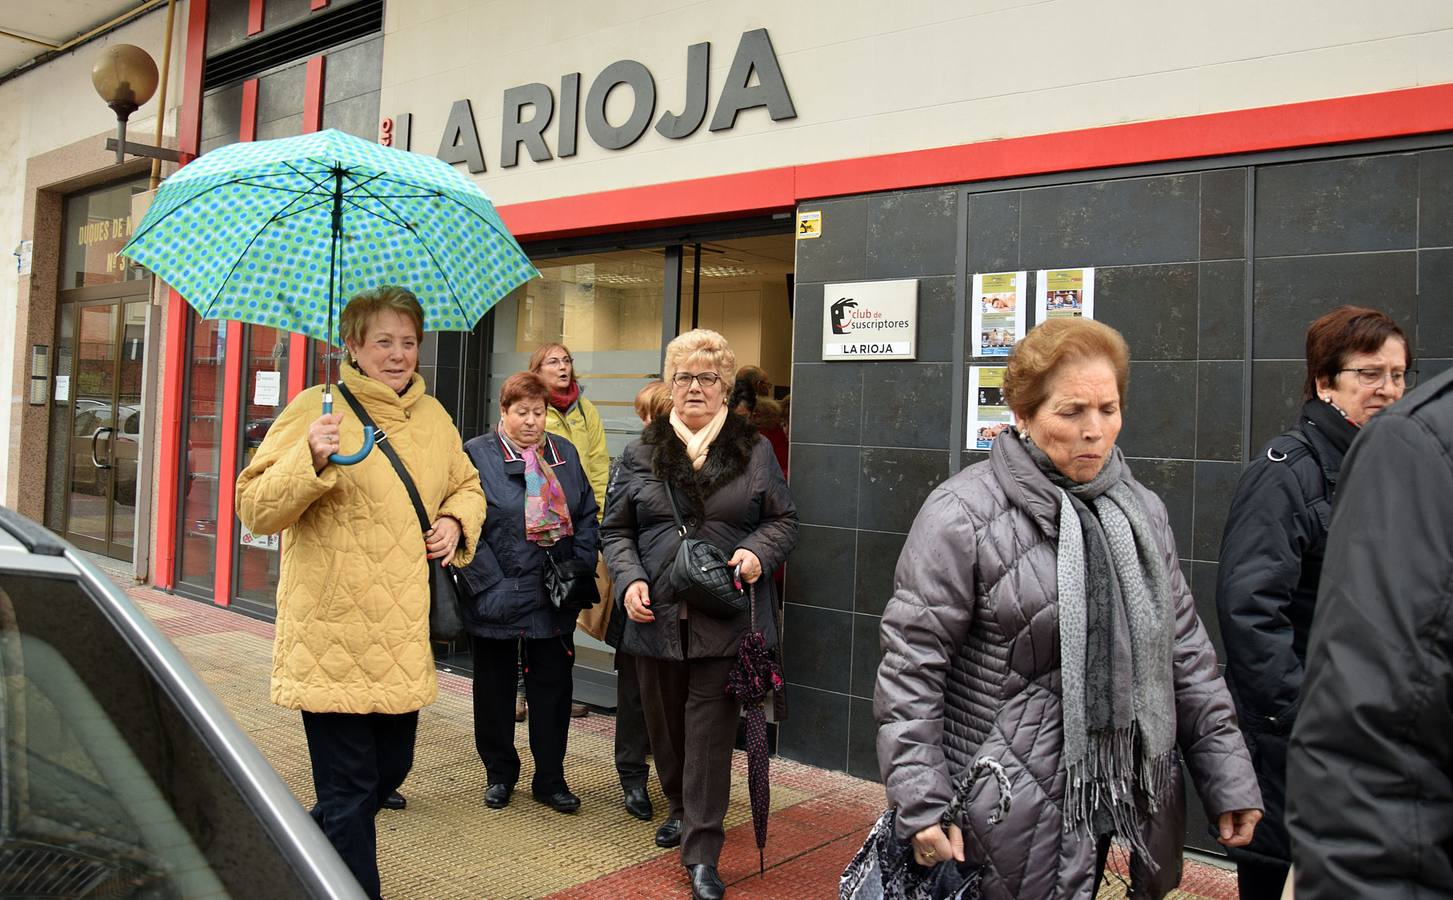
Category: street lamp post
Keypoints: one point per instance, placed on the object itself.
(125, 76)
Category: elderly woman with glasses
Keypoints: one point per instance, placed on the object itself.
(1271, 553)
(728, 490)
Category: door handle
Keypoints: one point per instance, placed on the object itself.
(94, 438)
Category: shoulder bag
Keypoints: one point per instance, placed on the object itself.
(446, 620)
(700, 576)
(570, 583)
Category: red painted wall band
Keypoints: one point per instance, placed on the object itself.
(297, 365)
(174, 353)
(313, 95)
(317, 5)
(248, 128)
(1422, 110)
(254, 17)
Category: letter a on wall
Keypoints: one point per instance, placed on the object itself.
(460, 143)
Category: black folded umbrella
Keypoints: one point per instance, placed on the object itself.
(755, 676)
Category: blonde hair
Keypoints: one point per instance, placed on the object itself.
(353, 322)
(705, 343)
(1051, 344)
(653, 401)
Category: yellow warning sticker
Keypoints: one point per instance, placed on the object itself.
(809, 225)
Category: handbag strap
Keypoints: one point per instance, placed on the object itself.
(671, 496)
(380, 442)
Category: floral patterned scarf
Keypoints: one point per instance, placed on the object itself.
(547, 515)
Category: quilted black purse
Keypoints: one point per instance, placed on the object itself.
(701, 577)
(446, 593)
(570, 583)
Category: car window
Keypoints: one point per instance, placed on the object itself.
(106, 789)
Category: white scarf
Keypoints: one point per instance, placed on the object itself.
(698, 443)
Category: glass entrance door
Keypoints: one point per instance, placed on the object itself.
(106, 413)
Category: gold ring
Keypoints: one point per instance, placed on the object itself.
(930, 853)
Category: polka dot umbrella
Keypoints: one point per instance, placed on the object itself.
(280, 233)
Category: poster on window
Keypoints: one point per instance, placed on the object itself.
(998, 312)
(988, 416)
(271, 542)
(1064, 292)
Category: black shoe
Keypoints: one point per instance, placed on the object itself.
(497, 796)
(561, 801)
(638, 803)
(669, 834)
(705, 885)
(394, 800)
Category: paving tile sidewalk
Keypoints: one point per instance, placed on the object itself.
(448, 845)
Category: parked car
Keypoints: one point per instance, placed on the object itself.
(121, 774)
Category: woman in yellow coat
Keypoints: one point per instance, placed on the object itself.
(352, 646)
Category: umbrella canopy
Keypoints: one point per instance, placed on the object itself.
(755, 676)
(279, 233)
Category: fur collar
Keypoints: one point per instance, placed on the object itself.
(730, 456)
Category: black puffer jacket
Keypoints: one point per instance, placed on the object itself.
(738, 499)
(1370, 770)
(1271, 561)
(507, 575)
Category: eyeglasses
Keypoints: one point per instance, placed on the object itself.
(1377, 377)
(705, 379)
(558, 361)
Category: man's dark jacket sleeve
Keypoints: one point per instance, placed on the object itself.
(1371, 800)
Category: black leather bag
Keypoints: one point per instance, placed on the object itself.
(700, 576)
(446, 591)
(570, 584)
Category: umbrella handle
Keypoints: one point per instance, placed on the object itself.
(349, 459)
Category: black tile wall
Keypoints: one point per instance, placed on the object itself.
(866, 655)
(1219, 403)
(1222, 310)
(1215, 486)
(994, 232)
(935, 319)
(1337, 206)
(824, 482)
(878, 553)
(827, 402)
(906, 404)
(871, 439)
(1292, 291)
(821, 571)
(1435, 198)
(1156, 308)
(894, 485)
(819, 648)
(841, 253)
(816, 731)
(1159, 415)
(862, 740)
(1223, 214)
(1435, 304)
(1135, 221)
(912, 234)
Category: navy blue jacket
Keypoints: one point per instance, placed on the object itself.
(506, 576)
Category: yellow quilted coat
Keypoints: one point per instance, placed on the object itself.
(581, 426)
(353, 594)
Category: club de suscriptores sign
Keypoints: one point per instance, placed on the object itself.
(870, 320)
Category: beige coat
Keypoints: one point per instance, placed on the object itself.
(353, 593)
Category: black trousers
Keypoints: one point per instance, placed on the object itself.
(1261, 880)
(358, 760)
(693, 726)
(548, 686)
(632, 741)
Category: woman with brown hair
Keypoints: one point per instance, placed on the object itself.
(727, 489)
(1358, 363)
(352, 648)
(1040, 621)
(540, 505)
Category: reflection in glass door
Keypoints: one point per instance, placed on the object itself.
(106, 413)
(265, 386)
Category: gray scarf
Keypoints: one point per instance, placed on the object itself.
(1116, 642)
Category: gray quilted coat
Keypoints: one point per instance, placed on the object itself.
(971, 668)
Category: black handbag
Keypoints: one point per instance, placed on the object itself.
(446, 593)
(701, 577)
(570, 583)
